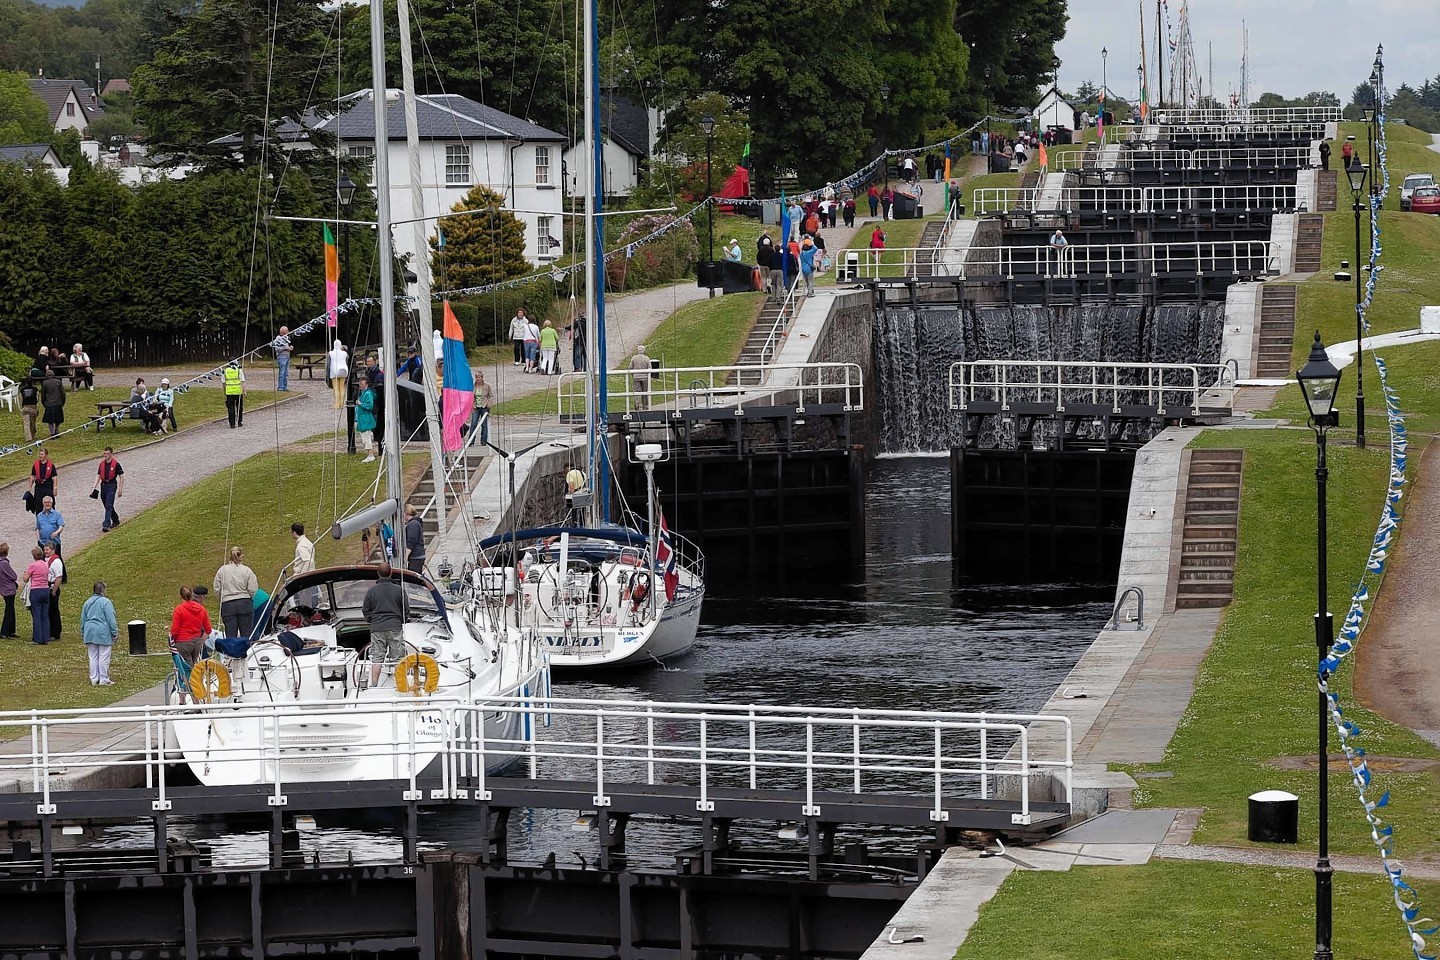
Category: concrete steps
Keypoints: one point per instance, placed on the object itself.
(424, 489)
(1327, 190)
(1309, 231)
(1030, 180)
(1212, 517)
(1277, 331)
(770, 321)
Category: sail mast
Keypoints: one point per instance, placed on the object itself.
(387, 266)
(428, 382)
(594, 270)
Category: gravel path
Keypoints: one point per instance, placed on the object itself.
(1300, 860)
(1396, 672)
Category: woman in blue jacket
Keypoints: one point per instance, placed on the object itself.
(99, 630)
(365, 418)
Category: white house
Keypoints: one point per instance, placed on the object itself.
(627, 139)
(462, 143)
(72, 104)
(1053, 110)
(31, 155)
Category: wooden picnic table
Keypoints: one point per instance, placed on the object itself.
(307, 362)
(104, 408)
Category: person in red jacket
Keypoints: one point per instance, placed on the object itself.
(189, 626)
(877, 239)
(873, 195)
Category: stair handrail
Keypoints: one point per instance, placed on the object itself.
(461, 459)
(1114, 622)
(781, 326)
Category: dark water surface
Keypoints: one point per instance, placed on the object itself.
(906, 638)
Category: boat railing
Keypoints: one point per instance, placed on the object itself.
(809, 751)
(725, 390)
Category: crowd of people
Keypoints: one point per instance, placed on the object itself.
(42, 394)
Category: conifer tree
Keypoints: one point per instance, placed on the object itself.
(481, 248)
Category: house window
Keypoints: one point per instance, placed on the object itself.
(457, 164)
(69, 109)
(544, 249)
(366, 155)
(542, 166)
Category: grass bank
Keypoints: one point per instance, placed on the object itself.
(145, 561)
(199, 406)
(704, 333)
(1199, 911)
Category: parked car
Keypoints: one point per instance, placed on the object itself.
(1425, 200)
(1411, 182)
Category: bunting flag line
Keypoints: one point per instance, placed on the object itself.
(457, 383)
(332, 279)
(1403, 894)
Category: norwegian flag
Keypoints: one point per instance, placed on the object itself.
(665, 560)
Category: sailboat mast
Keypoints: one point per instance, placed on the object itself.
(387, 266)
(1159, 57)
(594, 275)
(421, 266)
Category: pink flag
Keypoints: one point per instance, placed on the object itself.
(332, 280)
(457, 388)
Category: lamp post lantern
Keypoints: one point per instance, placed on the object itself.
(1356, 173)
(345, 194)
(884, 138)
(707, 123)
(1319, 380)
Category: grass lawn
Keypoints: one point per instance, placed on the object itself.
(704, 333)
(1254, 698)
(1407, 151)
(200, 405)
(1197, 911)
(181, 541)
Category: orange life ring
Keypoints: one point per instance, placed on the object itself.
(424, 671)
(209, 680)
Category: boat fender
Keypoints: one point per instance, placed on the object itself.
(201, 677)
(417, 672)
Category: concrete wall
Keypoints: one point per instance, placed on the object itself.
(1240, 341)
(1282, 243)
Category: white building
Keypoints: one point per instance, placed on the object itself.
(462, 143)
(627, 139)
(72, 104)
(1054, 110)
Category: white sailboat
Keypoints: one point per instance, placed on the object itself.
(300, 700)
(597, 593)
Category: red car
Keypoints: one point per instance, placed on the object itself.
(1425, 200)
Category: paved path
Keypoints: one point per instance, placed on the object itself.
(1396, 672)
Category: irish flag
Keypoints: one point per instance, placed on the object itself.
(457, 389)
(332, 280)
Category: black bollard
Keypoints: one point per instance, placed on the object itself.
(1274, 817)
(137, 638)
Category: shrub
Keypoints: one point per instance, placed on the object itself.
(14, 365)
(662, 260)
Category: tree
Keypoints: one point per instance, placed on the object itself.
(1087, 93)
(219, 75)
(24, 118)
(481, 248)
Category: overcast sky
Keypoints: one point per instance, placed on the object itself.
(1296, 46)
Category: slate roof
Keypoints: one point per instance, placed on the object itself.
(438, 116)
(626, 122)
(27, 153)
(117, 85)
(55, 92)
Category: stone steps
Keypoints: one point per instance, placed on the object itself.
(1327, 190)
(1206, 577)
(1277, 331)
(1308, 235)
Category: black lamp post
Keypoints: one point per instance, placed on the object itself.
(345, 193)
(884, 138)
(1319, 380)
(707, 123)
(987, 119)
(1356, 173)
(1104, 72)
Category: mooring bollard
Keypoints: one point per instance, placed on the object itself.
(1274, 817)
(137, 638)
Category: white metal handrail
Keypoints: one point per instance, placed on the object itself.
(1246, 115)
(1224, 131)
(859, 751)
(1232, 258)
(1251, 197)
(780, 326)
(1202, 159)
(731, 388)
(901, 262)
(1062, 382)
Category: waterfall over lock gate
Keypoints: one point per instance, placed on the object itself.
(914, 346)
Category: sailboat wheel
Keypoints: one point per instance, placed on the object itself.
(579, 595)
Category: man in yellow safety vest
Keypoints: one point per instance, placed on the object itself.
(235, 394)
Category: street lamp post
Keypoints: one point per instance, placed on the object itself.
(345, 193)
(884, 139)
(707, 123)
(987, 119)
(1319, 380)
(1356, 173)
(1104, 73)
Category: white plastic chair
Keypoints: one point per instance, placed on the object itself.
(9, 392)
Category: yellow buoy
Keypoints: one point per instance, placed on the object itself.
(417, 672)
(209, 680)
